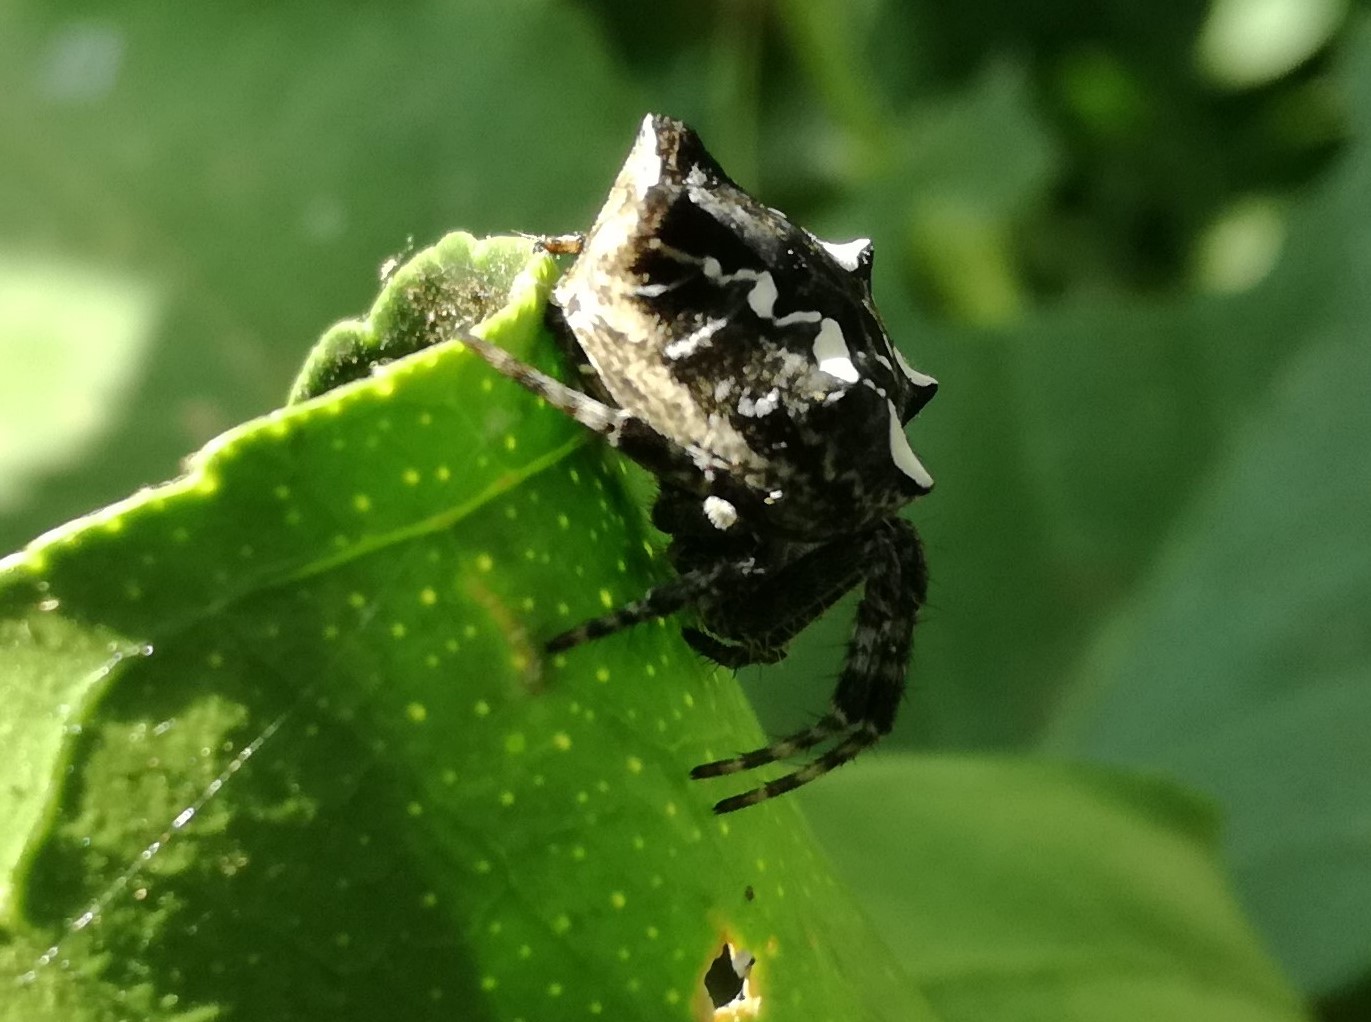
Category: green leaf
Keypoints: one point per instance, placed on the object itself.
(1026, 892)
(282, 731)
(75, 337)
(1242, 664)
(248, 175)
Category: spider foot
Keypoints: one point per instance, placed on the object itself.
(859, 738)
(820, 731)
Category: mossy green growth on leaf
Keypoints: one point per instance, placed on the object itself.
(280, 740)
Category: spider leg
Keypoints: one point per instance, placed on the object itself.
(753, 621)
(794, 597)
(730, 654)
(574, 356)
(659, 601)
(826, 727)
(592, 414)
(848, 749)
(683, 466)
(872, 680)
(769, 610)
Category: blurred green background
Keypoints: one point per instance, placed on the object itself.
(1132, 241)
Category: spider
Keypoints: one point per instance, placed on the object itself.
(741, 360)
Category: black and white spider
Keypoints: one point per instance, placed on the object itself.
(740, 360)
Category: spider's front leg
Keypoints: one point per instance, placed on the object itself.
(872, 681)
(660, 601)
(685, 467)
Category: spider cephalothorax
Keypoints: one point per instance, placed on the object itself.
(740, 359)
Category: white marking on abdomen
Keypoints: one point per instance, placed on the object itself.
(830, 348)
(643, 168)
(692, 343)
(903, 455)
(761, 298)
(847, 254)
(764, 405)
(915, 377)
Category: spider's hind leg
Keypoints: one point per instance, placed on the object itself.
(872, 680)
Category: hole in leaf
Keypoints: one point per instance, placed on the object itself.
(728, 983)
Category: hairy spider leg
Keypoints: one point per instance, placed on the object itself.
(817, 733)
(768, 609)
(845, 751)
(573, 355)
(731, 654)
(762, 615)
(896, 618)
(660, 601)
(872, 680)
(752, 621)
(687, 467)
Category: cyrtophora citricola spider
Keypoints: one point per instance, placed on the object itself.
(741, 360)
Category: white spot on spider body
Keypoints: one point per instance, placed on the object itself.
(871, 385)
(831, 351)
(915, 377)
(903, 455)
(802, 316)
(763, 294)
(721, 514)
(848, 254)
(762, 297)
(755, 408)
(643, 169)
(692, 343)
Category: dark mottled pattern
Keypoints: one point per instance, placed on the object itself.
(641, 290)
(691, 316)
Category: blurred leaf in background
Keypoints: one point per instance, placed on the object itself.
(1128, 239)
(249, 169)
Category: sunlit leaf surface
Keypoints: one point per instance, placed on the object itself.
(289, 748)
